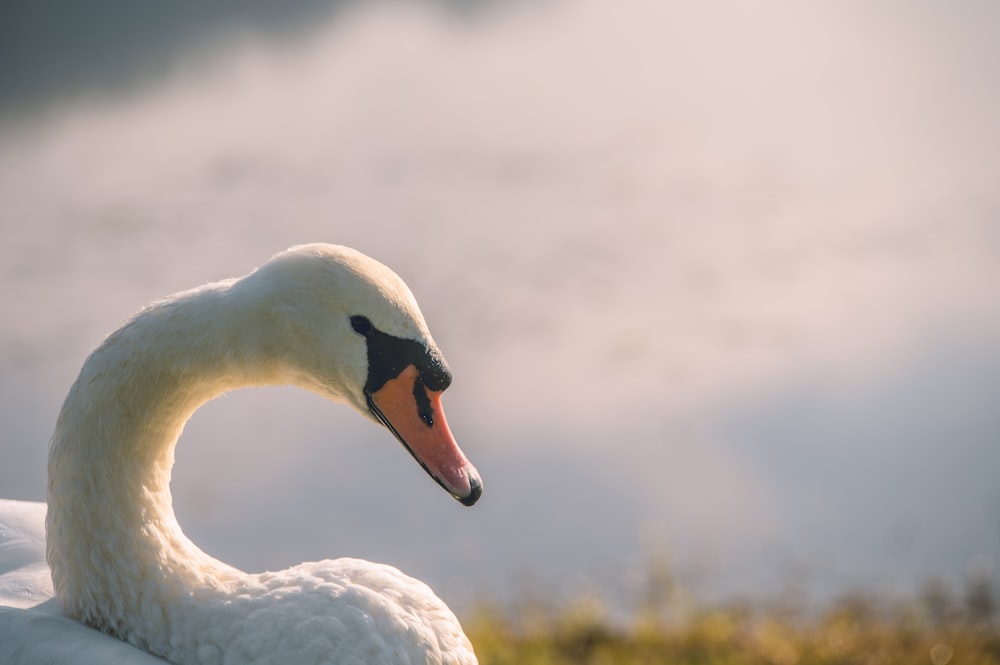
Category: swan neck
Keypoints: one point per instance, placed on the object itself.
(111, 529)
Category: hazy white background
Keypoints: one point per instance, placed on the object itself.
(716, 280)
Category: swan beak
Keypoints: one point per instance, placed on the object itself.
(414, 414)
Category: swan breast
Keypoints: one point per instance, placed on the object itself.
(333, 611)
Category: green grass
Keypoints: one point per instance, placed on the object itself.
(854, 631)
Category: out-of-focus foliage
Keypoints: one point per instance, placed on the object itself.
(939, 628)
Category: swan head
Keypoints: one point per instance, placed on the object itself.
(347, 327)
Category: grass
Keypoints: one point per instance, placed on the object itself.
(936, 629)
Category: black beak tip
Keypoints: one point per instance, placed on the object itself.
(475, 491)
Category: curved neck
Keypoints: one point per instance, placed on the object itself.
(113, 449)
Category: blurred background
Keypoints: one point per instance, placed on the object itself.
(719, 283)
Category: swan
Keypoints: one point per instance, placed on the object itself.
(323, 317)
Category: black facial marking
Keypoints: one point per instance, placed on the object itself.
(388, 356)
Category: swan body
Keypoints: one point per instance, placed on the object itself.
(323, 317)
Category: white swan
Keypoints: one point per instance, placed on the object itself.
(323, 317)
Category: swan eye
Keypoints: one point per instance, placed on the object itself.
(361, 324)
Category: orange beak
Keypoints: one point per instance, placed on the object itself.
(415, 416)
